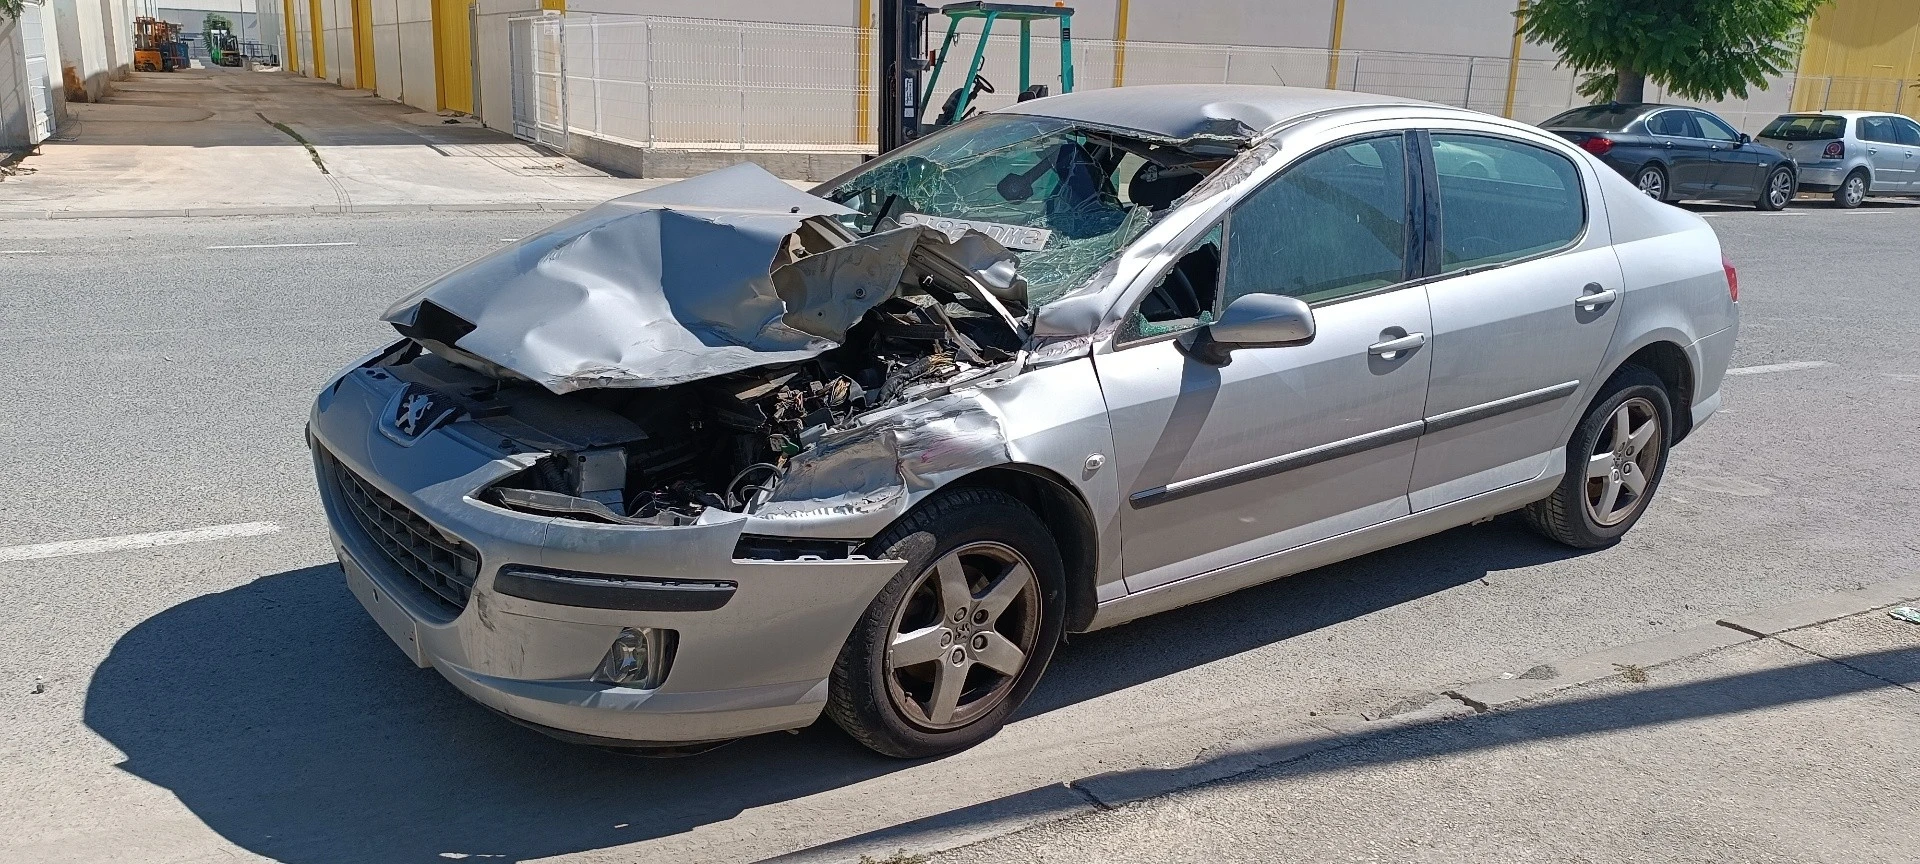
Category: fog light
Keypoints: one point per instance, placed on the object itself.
(639, 658)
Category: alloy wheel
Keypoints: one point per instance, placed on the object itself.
(962, 636)
(1855, 190)
(1780, 189)
(1654, 185)
(1622, 464)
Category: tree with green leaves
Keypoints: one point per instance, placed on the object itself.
(11, 9)
(1703, 50)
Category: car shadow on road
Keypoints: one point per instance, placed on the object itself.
(288, 723)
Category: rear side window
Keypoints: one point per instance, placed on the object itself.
(1906, 131)
(1674, 123)
(1802, 128)
(1503, 200)
(1878, 129)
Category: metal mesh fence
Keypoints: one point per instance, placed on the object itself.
(713, 84)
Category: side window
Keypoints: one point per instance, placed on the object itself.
(1876, 129)
(1713, 128)
(1502, 200)
(1906, 132)
(1182, 298)
(1333, 225)
(1673, 123)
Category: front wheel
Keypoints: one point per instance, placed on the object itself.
(1778, 191)
(1614, 464)
(958, 639)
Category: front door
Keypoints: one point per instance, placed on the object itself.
(1524, 304)
(1737, 167)
(1282, 445)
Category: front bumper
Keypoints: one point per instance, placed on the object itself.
(759, 663)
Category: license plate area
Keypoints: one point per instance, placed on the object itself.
(398, 625)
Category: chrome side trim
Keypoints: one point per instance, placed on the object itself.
(1463, 416)
(1225, 580)
(1275, 465)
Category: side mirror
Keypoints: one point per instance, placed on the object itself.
(1251, 321)
(1745, 139)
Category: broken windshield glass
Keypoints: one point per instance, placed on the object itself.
(1084, 193)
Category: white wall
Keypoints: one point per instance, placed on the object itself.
(491, 41)
(336, 33)
(414, 32)
(16, 122)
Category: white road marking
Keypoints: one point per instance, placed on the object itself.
(23, 251)
(95, 545)
(1778, 367)
(283, 245)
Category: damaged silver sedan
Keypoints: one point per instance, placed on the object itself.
(711, 460)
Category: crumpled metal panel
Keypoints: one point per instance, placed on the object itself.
(879, 469)
(655, 288)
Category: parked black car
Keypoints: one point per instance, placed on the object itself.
(1676, 153)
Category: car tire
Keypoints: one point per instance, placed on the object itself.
(894, 705)
(1572, 515)
(1652, 182)
(1777, 192)
(1852, 191)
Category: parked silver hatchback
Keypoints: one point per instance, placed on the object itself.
(1851, 154)
(717, 458)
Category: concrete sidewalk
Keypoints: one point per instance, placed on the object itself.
(1784, 735)
(229, 141)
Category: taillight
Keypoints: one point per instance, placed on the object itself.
(1597, 145)
(1835, 150)
(1733, 278)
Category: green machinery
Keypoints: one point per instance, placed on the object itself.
(902, 24)
(223, 48)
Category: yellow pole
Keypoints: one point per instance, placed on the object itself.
(1513, 61)
(1333, 47)
(291, 61)
(863, 98)
(1120, 44)
(319, 39)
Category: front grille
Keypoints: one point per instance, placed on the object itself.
(446, 568)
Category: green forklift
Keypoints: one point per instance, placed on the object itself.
(223, 48)
(902, 61)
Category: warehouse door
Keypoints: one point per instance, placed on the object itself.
(40, 99)
(363, 45)
(453, 54)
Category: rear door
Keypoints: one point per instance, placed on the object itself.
(1884, 154)
(1907, 134)
(1525, 293)
(1689, 159)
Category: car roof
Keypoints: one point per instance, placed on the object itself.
(1182, 111)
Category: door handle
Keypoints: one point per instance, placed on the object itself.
(1595, 296)
(1392, 347)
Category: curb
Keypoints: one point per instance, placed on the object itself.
(1294, 740)
(305, 209)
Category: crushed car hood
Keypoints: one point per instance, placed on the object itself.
(691, 280)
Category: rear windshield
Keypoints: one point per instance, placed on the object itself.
(1609, 117)
(1804, 128)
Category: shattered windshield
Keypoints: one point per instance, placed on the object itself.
(1088, 192)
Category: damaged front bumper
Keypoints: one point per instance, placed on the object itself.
(424, 555)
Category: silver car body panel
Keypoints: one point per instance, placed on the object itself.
(1190, 488)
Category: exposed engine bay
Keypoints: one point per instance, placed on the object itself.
(661, 456)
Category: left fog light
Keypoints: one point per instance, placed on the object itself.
(639, 658)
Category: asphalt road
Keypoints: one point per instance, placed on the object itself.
(227, 699)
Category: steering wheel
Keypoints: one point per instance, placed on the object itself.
(982, 85)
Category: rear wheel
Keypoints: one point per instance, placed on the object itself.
(958, 639)
(1652, 182)
(1778, 191)
(1852, 191)
(1614, 464)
